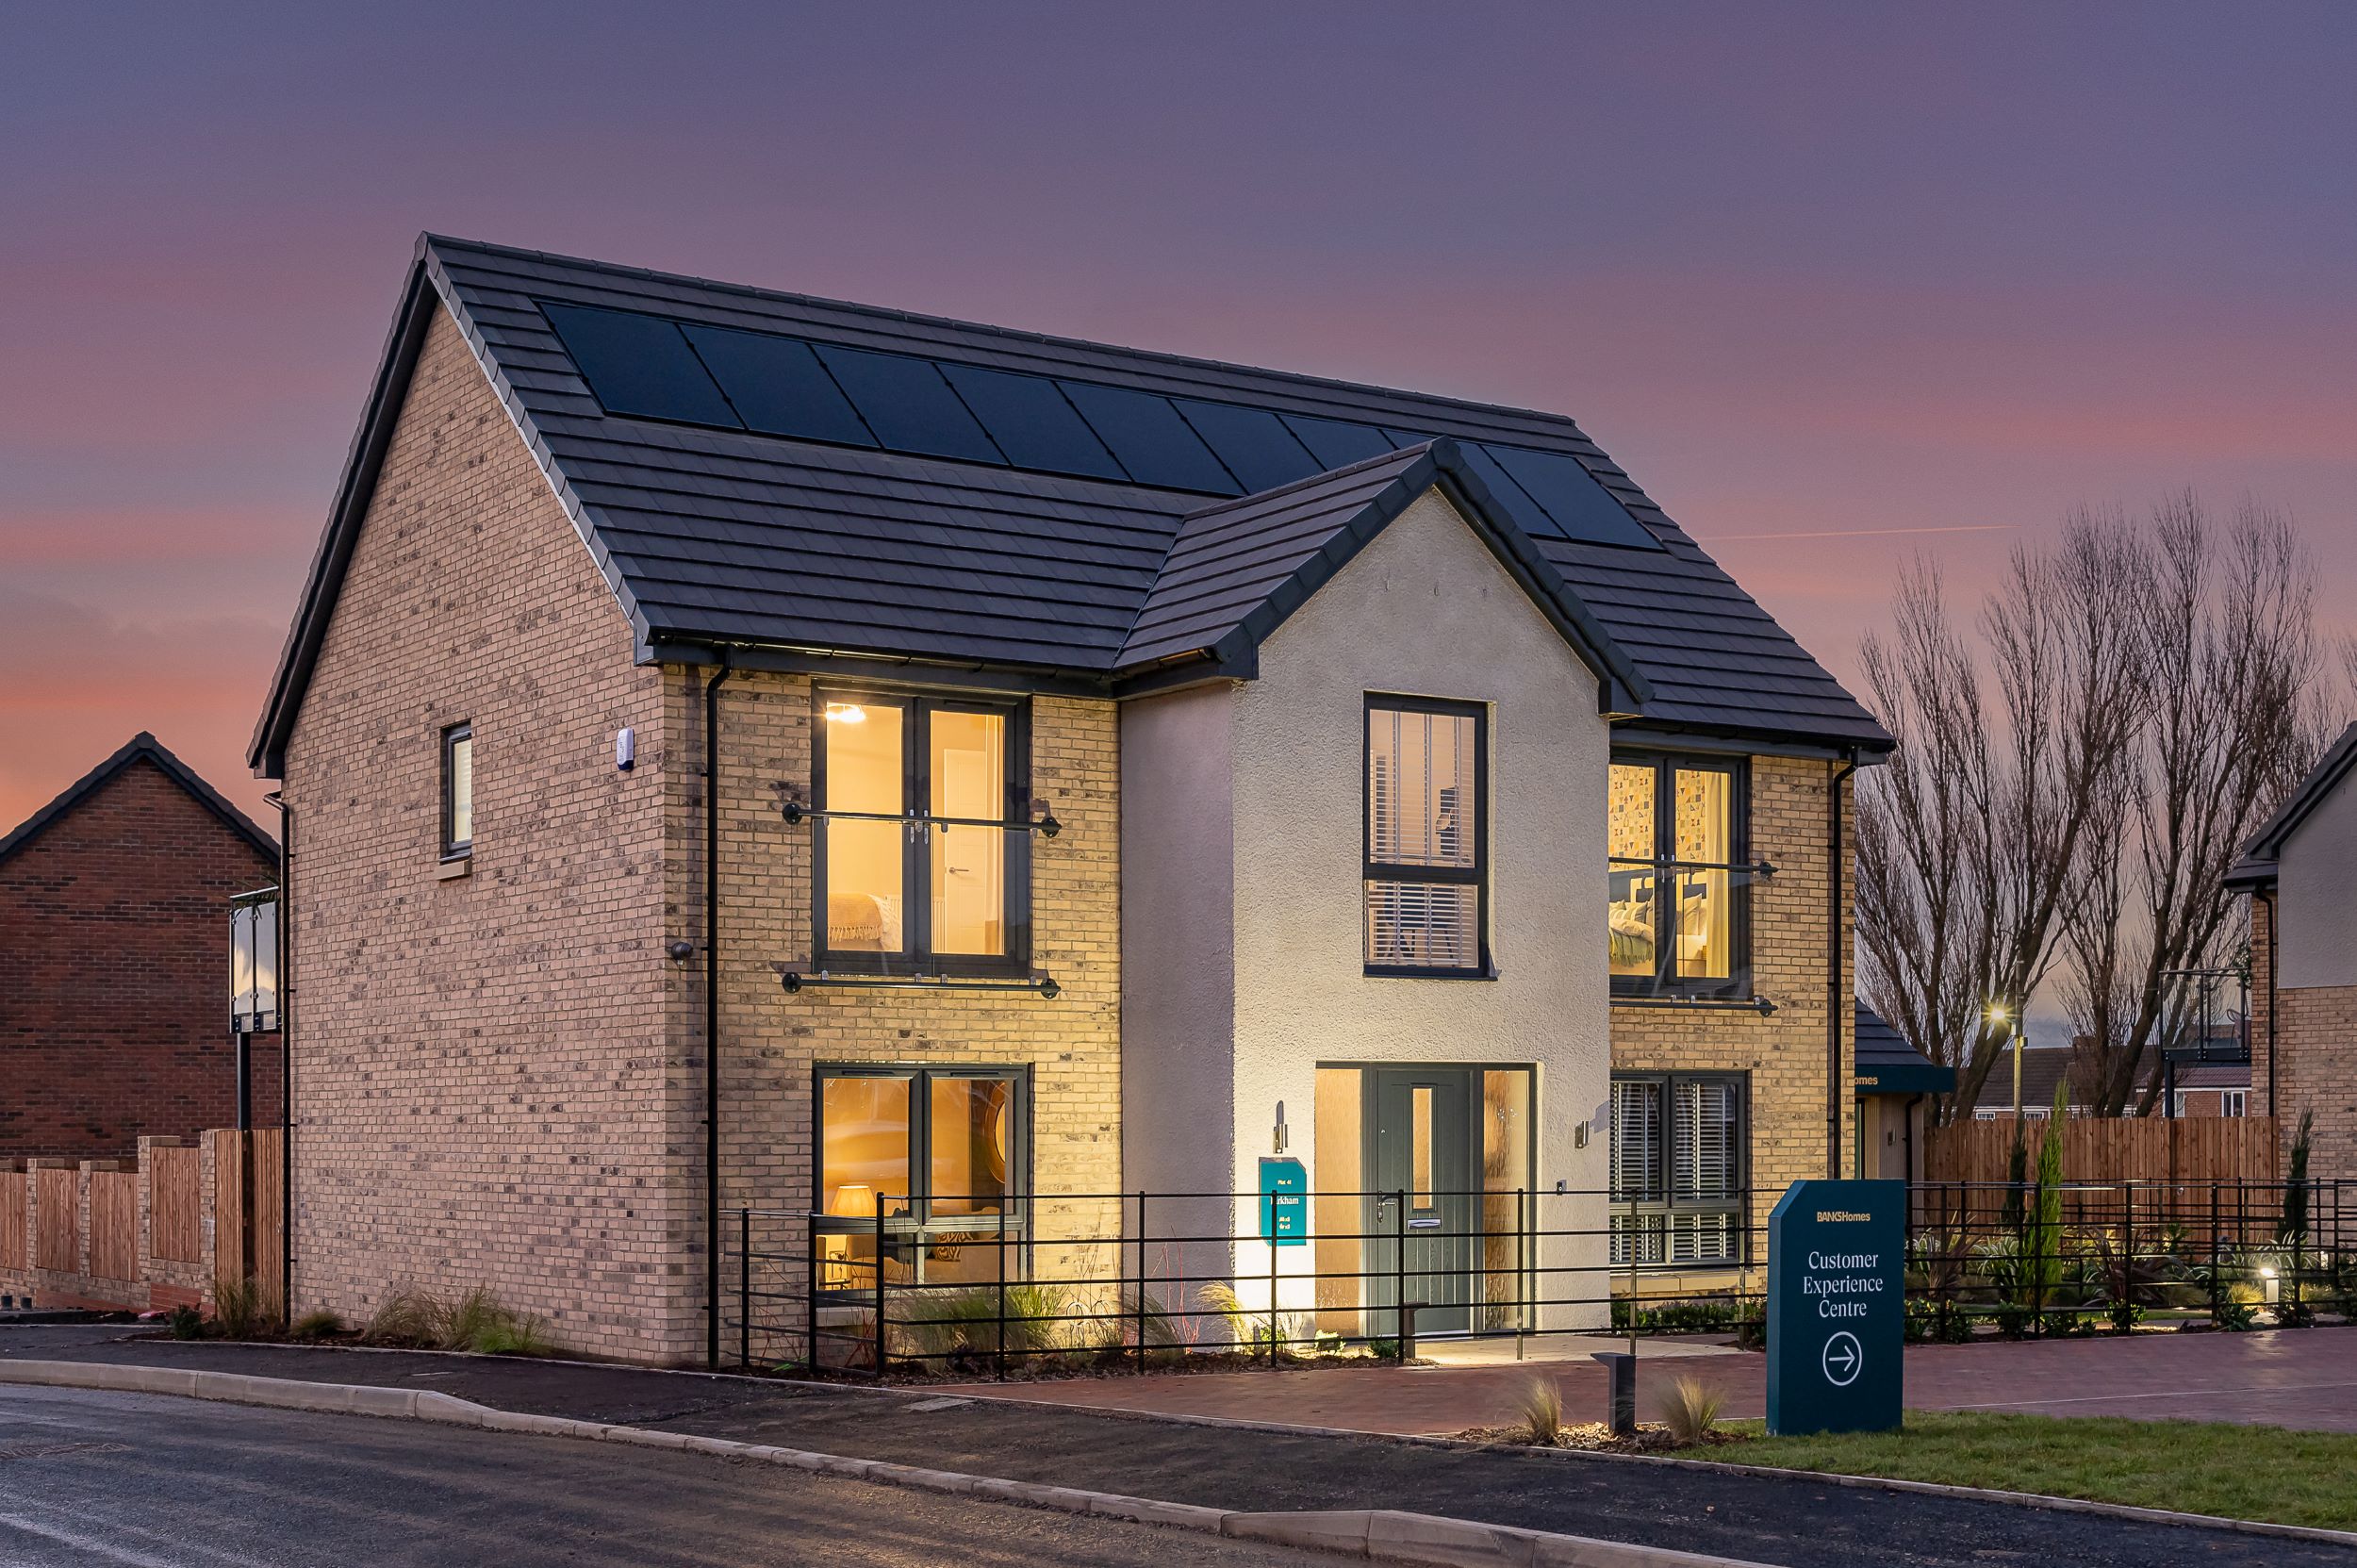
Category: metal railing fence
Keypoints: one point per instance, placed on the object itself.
(987, 1285)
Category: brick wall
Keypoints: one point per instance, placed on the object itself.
(1784, 1053)
(487, 1090)
(114, 973)
(771, 1042)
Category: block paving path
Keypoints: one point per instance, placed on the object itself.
(1797, 1522)
(2303, 1378)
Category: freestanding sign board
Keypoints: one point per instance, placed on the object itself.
(1284, 1202)
(1837, 1306)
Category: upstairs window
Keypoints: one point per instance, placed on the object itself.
(917, 872)
(1426, 868)
(458, 792)
(1679, 901)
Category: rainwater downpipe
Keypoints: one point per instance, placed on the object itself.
(2275, 945)
(1837, 775)
(285, 1050)
(712, 1008)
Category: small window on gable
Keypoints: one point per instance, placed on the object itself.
(458, 792)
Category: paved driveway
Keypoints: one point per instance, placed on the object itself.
(2304, 1379)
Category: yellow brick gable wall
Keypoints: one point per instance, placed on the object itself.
(1784, 1053)
(485, 1087)
(771, 1042)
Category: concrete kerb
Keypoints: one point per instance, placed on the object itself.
(1378, 1534)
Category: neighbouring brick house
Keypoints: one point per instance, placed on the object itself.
(2299, 870)
(1127, 768)
(114, 962)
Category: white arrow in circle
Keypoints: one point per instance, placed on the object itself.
(1843, 1360)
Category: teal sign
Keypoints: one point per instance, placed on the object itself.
(1837, 1306)
(1284, 1202)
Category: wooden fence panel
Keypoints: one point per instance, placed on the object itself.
(15, 1215)
(58, 1245)
(2196, 1150)
(114, 1225)
(175, 1210)
(264, 1262)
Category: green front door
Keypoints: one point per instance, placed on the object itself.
(1422, 1213)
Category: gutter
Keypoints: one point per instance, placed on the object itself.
(1836, 776)
(712, 1007)
(2275, 946)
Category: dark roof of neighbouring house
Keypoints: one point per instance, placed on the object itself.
(726, 536)
(1886, 1064)
(2257, 866)
(139, 748)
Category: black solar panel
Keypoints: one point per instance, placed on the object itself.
(1145, 433)
(1585, 510)
(1335, 444)
(778, 386)
(1252, 442)
(908, 404)
(1528, 513)
(1032, 422)
(640, 365)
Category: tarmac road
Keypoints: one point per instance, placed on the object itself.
(128, 1480)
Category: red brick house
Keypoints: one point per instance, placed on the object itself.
(114, 962)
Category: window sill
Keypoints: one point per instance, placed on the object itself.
(1409, 972)
(456, 866)
(1761, 1005)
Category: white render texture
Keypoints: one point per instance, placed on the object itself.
(1424, 610)
(2317, 866)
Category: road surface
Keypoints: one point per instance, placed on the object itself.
(122, 1480)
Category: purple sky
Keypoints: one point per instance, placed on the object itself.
(1809, 271)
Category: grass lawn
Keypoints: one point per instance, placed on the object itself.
(2194, 1467)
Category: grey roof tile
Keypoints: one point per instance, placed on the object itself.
(875, 551)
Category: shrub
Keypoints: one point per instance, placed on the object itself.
(1542, 1406)
(241, 1308)
(1691, 1409)
(967, 1322)
(186, 1322)
(407, 1319)
(319, 1323)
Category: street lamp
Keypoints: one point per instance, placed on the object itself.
(1997, 1015)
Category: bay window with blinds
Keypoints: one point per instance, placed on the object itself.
(1426, 864)
(1679, 904)
(1679, 1153)
(917, 872)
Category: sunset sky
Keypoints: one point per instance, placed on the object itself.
(1837, 284)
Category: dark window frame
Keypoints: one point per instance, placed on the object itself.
(1476, 876)
(915, 956)
(1665, 981)
(906, 1233)
(452, 847)
(1664, 1178)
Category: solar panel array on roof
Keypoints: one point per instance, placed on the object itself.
(649, 366)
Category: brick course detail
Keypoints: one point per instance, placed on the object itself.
(114, 974)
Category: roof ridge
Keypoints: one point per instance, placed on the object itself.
(141, 746)
(428, 238)
(1400, 455)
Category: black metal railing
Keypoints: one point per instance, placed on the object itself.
(1137, 1279)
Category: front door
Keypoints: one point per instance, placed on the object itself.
(1421, 1152)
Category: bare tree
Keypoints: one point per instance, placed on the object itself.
(2231, 672)
(2154, 698)
(1972, 839)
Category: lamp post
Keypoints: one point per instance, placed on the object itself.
(1997, 1012)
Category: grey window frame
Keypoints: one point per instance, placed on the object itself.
(1476, 876)
(454, 847)
(908, 1234)
(1665, 982)
(1625, 1211)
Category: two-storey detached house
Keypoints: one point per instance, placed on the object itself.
(750, 751)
